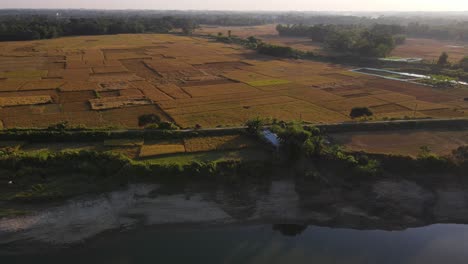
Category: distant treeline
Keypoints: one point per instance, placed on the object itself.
(454, 31)
(13, 28)
(375, 41)
(21, 24)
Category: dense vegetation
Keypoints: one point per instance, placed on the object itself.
(376, 41)
(360, 112)
(442, 71)
(45, 175)
(42, 27)
(266, 48)
(36, 24)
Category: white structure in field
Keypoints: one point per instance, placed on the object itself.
(271, 137)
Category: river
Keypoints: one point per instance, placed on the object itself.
(279, 221)
(264, 244)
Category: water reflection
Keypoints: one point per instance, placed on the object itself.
(289, 229)
(295, 221)
(264, 244)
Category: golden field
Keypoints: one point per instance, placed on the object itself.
(145, 149)
(101, 81)
(402, 142)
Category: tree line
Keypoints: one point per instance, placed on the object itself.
(375, 41)
(16, 28)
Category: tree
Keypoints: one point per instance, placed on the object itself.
(464, 63)
(167, 126)
(254, 126)
(424, 151)
(148, 119)
(188, 26)
(461, 154)
(443, 59)
(360, 112)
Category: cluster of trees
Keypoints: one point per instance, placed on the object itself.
(444, 72)
(451, 31)
(297, 142)
(454, 31)
(13, 28)
(375, 41)
(357, 112)
(264, 48)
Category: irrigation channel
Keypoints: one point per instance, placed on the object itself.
(398, 76)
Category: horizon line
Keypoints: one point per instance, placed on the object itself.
(232, 10)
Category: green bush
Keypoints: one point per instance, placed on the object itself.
(360, 112)
(148, 119)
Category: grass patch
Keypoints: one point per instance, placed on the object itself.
(123, 142)
(200, 144)
(12, 144)
(162, 148)
(261, 83)
(211, 156)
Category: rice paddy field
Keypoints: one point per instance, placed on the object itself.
(110, 81)
(403, 142)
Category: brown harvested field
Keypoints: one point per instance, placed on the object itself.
(173, 91)
(210, 90)
(404, 142)
(42, 85)
(11, 85)
(430, 49)
(25, 100)
(109, 69)
(79, 86)
(151, 91)
(74, 97)
(118, 102)
(76, 74)
(128, 117)
(111, 80)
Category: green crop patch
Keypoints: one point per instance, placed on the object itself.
(268, 82)
(26, 74)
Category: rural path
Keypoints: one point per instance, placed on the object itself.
(442, 123)
(447, 123)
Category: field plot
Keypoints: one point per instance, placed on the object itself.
(218, 143)
(24, 100)
(404, 142)
(117, 102)
(266, 33)
(430, 49)
(151, 149)
(110, 81)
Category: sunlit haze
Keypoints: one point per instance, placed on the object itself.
(304, 5)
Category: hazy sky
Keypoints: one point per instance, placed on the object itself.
(309, 5)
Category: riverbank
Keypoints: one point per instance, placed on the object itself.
(40, 166)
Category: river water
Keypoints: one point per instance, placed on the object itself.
(283, 221)
(264, 244)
